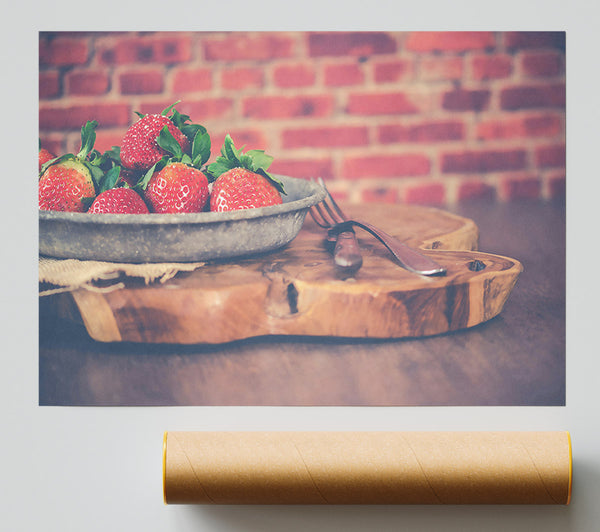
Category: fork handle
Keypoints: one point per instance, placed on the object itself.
(411, 259)
(346, 254)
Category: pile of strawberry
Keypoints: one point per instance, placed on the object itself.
(161, 167)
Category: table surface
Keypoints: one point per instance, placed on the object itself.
(517, 358)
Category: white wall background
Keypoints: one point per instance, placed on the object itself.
(99, 469)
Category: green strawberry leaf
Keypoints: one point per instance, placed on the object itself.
(260, 159)
(141, 115)
(88, 138)
(167, 142)
(185, 125)
(114, 154)
(106, 160)
(179, 119)
(97, 174)
(228, 150)
(100, 159)
(251, 160)
(220, 166)
(164, 112)
(94, 156)
(191, 130)
(201, 148)
(186, 159)
(109, 158)
(276, 182)
(109, 179)
(142, 184)
(246, 162)
(256, 161)
(87, 202)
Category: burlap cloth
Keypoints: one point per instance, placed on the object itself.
(64, 275)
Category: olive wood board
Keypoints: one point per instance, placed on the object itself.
(297, 290)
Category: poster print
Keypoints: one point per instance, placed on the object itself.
(452, 142)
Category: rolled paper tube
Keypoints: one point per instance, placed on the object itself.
(367, 467)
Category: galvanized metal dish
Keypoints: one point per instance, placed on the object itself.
(137, 238)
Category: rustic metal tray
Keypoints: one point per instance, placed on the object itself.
(137, 238)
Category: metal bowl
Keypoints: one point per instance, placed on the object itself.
(137, 238)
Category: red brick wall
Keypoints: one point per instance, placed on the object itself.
(421, 117)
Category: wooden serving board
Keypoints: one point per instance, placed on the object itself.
(298, 291)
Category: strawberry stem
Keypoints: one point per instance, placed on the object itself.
(88, 138)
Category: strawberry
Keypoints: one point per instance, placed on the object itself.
(239, 188)
(67, 183)
(176, 182)
(139, 149)
(44, 157)
(65, 186)
(177, 188)
(241, 180)
(118, 201)
(157, 135)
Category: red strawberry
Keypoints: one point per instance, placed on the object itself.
(239, 188)
(140, 149)
(241, 180)
(69, 182)
(44, 157)
(118, 201)
(177, 188)
(65, 186)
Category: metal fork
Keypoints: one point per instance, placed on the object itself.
(337, 224)
(327, 214)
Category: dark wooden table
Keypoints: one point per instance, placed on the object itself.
(517, 358)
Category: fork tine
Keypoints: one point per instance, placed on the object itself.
(336, 213)
(325, 213)
(334, 216)
(317, 215)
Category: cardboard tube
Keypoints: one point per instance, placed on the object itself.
(367, 467)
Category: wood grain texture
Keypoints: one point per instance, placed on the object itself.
(517, 358)
(298, 291)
